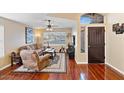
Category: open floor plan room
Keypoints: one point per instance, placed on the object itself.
(61, 46)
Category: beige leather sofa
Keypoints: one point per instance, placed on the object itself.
(35, 47)
(31, 60)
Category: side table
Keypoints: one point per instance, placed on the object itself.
(15, 58)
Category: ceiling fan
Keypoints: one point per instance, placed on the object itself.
(50, 26)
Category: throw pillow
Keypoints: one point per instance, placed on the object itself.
(29, 48)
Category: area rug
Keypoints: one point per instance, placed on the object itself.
(58, 64)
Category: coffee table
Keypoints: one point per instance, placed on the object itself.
(51, 51)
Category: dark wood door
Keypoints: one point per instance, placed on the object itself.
(96, 45)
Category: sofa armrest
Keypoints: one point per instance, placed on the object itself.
(45, 57)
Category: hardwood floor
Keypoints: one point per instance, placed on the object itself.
(74, 72)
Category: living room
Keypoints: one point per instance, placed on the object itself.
(55, 34)
(96, 62)
(16, 32)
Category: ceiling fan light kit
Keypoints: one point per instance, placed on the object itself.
(49, 29)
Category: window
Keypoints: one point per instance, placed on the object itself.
(54, 38)
(91, 18)
(1, 41)
(29, 35)
(82, 39)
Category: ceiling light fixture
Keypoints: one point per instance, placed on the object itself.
(49, 26)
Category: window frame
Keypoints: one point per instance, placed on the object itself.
(2, 40)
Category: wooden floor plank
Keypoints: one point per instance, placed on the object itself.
(74, 72)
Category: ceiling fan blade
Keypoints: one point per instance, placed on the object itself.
(49, 23)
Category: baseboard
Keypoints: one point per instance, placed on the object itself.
(81, 62)
(5, 67)
(115, 68)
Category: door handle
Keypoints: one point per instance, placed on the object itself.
(88, 45)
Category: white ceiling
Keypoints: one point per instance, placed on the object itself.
(37, 20)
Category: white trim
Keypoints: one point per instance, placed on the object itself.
(81, 62)
(115, 68)
(5, 67)
(86, 37)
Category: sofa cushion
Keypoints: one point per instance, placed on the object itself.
(32, 47)
(29, 48)
(26, 54)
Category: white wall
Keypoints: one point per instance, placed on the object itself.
(14, 38)
(115, 42)
(79, 57)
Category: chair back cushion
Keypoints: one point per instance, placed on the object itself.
(26, 54)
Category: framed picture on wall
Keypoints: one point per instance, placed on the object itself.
(122, 27)
(119, 29)
(54, 38)
(29, 36)
(116, 27)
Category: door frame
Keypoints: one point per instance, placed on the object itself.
(86, 43)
